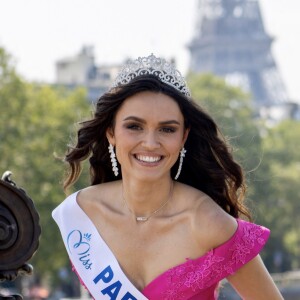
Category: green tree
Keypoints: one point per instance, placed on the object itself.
(232, 110)
(282, 208)
(36, 124)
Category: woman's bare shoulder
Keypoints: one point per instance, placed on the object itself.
(96, 194)
(210, 223)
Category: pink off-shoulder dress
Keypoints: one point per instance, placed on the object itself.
(198, 279)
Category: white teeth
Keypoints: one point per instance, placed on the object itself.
(148, 158)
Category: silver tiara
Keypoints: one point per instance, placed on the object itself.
(152, 65)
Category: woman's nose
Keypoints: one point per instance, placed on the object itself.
(151, 141)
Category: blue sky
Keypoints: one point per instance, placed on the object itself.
(39, 32)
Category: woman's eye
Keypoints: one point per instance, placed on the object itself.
(168, 129)
(133, 127)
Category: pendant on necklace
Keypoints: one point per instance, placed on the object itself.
(141, 219)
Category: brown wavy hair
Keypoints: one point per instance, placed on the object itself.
(208, 165)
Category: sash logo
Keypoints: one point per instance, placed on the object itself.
(79, 244)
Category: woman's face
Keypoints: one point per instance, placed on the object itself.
(148, 135)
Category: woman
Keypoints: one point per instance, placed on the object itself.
(161, 219)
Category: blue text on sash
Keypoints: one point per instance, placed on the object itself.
(113, 290)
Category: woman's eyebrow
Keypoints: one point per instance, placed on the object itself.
(137, 119)
(133, 118)
(169, 122)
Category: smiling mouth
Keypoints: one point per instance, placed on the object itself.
(148, 159)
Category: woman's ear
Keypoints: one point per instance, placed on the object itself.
(185, 135)
(110, 135)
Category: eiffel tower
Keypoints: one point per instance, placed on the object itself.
(231, 42)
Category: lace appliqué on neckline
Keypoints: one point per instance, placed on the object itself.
(216, 266)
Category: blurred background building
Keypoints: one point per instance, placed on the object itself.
(230, 41)
(81, 70)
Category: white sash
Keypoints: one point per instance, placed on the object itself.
(95, 263)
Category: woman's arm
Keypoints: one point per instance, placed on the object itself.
(253, 282)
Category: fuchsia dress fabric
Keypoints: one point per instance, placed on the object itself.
(199, 278)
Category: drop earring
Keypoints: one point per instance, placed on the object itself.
(113, 159)
(182, 155)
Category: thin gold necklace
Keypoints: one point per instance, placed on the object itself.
(146, 218)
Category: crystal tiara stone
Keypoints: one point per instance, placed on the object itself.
(152, 65)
